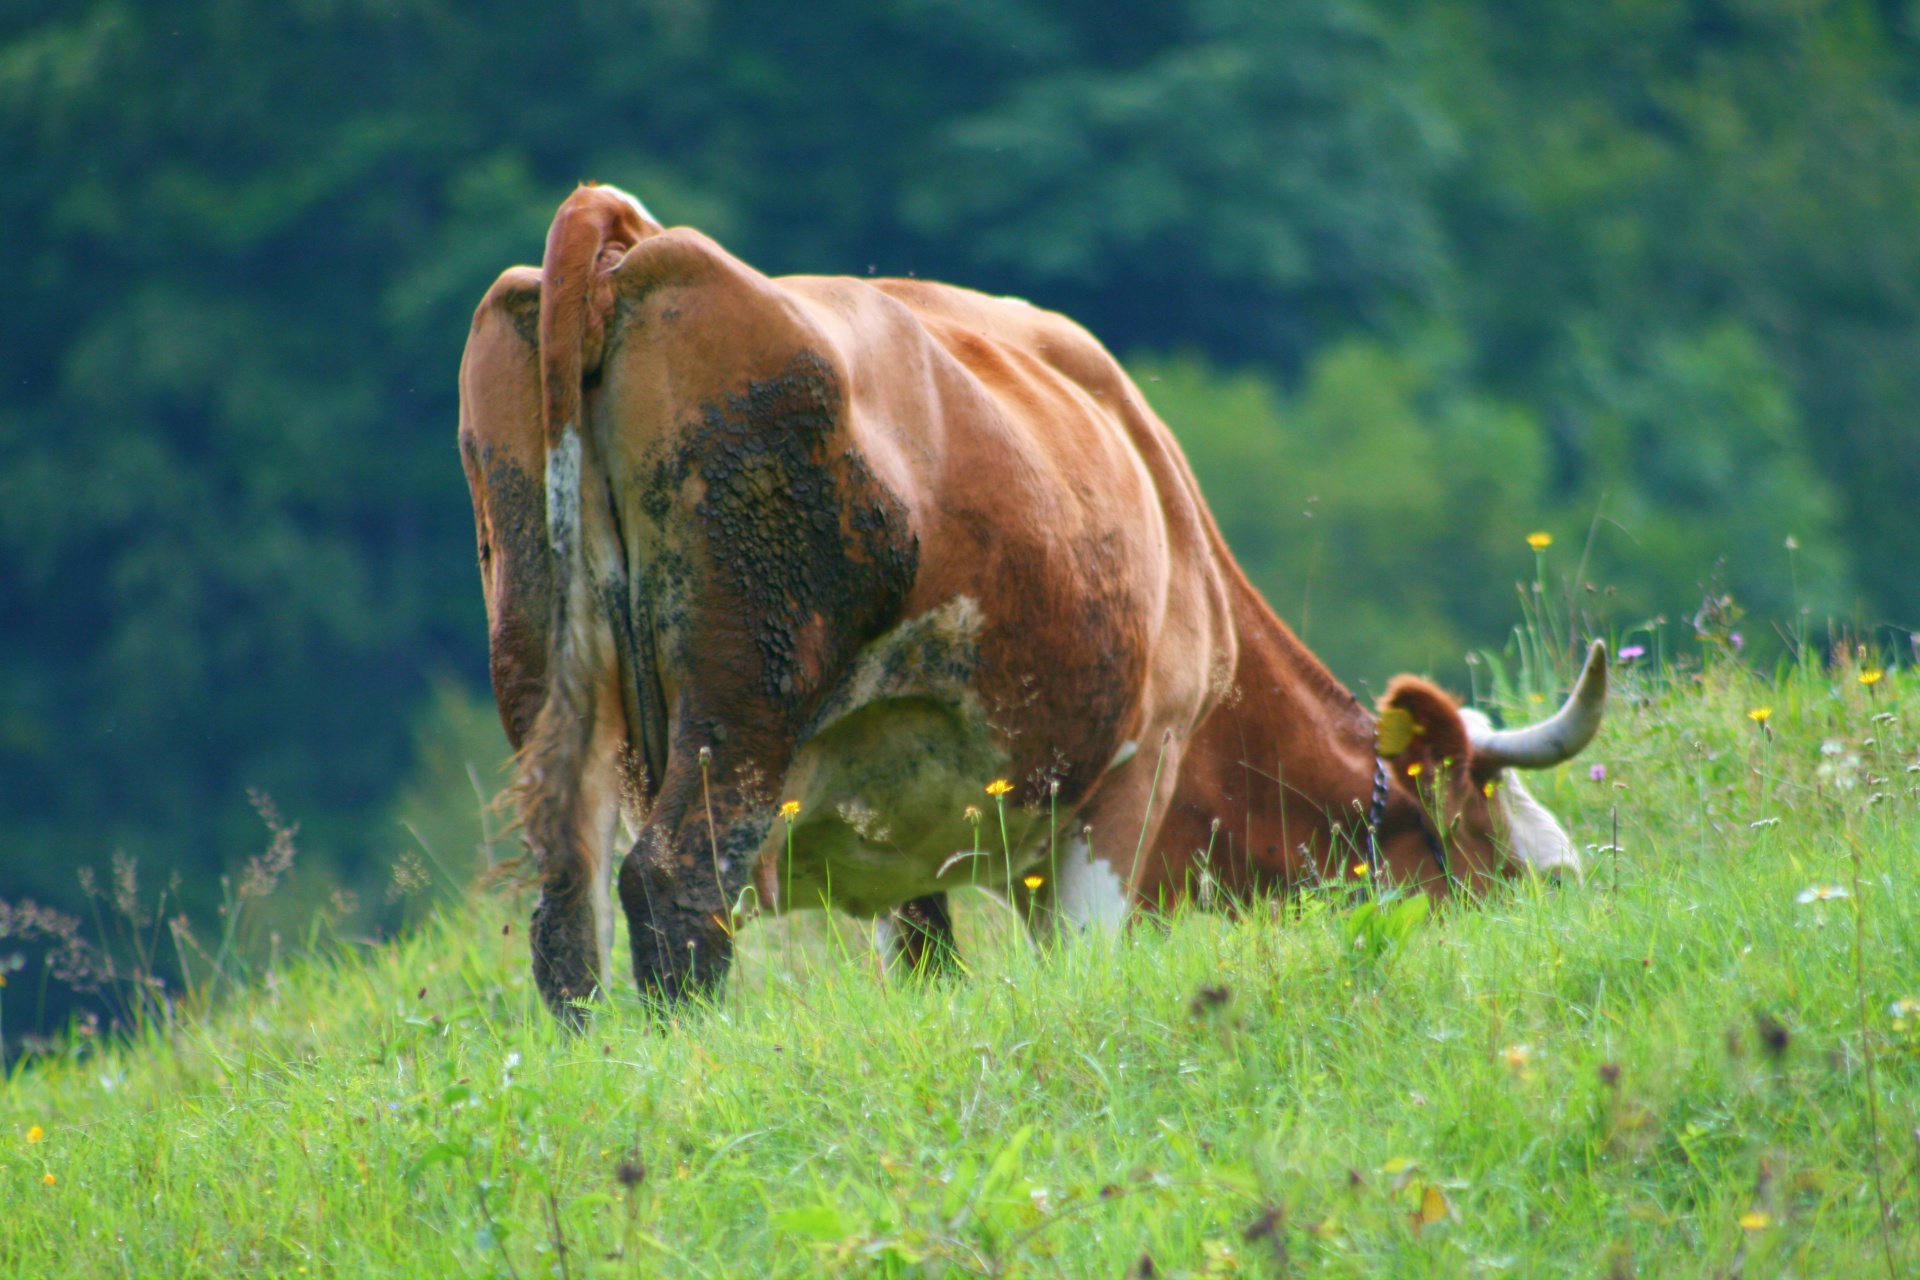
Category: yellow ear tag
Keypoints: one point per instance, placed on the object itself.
(1395, 731)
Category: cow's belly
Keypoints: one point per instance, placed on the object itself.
(885, 783)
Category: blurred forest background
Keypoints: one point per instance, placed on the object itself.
(1411, 279)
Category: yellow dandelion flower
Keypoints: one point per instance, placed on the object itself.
(1415, 769)
(1756, 1220)
(1491, 787)
(49, 1179)
(1759, 715)
(1516, 1056)
(1360, 868)
(790, 810)
(1034, 881)
(35, 1134)
(999, 787)
(1871, 676)
(1539, 541)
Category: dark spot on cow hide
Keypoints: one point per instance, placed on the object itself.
(520, 612)
(812, 552)
(523, 309)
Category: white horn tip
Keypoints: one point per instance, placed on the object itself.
(1562, 736)
(1595, 669)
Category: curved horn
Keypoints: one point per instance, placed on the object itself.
(1555, 740)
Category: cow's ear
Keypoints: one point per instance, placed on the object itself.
(1420, 730)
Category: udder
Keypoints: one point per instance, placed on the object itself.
(886, 776)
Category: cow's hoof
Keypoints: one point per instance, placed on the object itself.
(565, 959)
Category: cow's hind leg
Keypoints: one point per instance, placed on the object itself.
(917, 937)
(573, 924)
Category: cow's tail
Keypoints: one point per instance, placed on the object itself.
(593, 229)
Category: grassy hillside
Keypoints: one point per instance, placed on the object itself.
(1675, 1070)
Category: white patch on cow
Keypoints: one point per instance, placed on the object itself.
(1538, 839)
(563, 495)
(1126, 752)
(1478, 726)
(1018, 302)
(1089, 892)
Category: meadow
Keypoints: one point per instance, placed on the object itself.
(1699, 1062)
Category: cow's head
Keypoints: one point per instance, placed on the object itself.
(504, 454)
(1463, 771)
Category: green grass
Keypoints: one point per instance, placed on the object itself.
(409, 1110)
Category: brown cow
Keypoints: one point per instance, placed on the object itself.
(798, 566)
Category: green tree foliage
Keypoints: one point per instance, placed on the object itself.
(1478, 264)
(1255, 183)
(1648, 190)
(1695, 454)
(1375, 507)
(1383, 507)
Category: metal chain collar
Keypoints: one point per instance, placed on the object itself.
(1376, 813)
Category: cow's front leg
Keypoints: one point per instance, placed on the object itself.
(1096, 875)
(917, 937)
